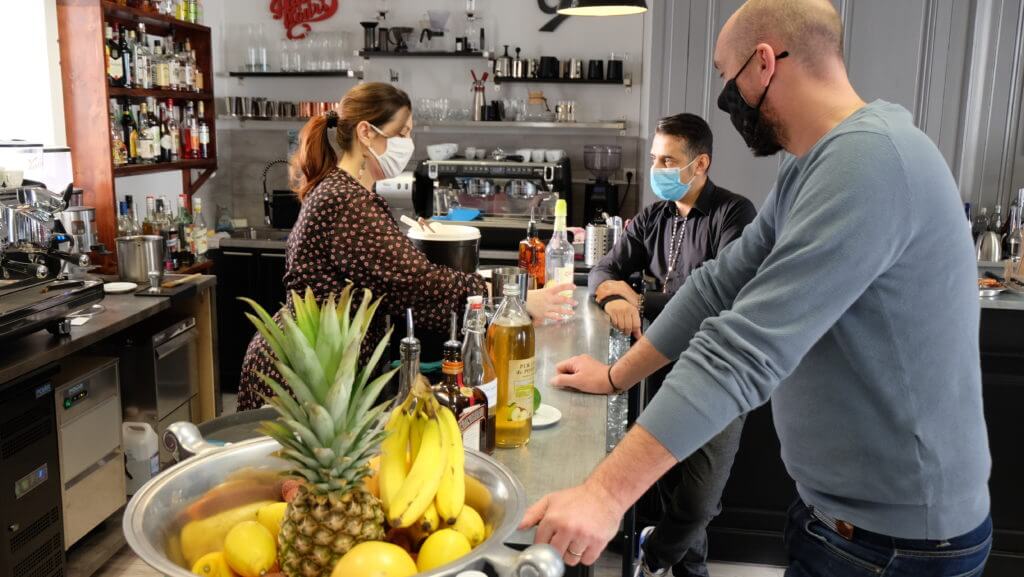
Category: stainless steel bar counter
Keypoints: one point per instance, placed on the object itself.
(563, 455)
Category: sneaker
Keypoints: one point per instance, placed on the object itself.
(640, 568)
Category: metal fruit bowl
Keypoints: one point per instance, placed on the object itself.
(149, 520)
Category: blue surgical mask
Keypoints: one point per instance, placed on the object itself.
(666, 182)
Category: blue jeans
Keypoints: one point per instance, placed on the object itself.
(815, 550)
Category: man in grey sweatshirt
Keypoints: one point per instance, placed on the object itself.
(830, 304)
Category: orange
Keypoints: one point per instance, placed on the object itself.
(375, 559)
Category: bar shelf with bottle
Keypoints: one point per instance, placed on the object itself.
(133, 169)
(121, 92)
(116, 11)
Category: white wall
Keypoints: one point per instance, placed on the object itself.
(32, 101)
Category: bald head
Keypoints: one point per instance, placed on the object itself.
(810, 30)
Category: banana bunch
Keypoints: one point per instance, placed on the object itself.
(422, 467)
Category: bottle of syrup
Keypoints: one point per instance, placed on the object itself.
(478, 372)
(468, 404)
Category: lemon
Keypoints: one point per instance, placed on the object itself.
(250, 549)
(375, 559)
(272, 516)
(442, 548)
(213, 565)
(470, 524)
(207, 535)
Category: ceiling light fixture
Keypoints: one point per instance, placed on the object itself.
(601, 7)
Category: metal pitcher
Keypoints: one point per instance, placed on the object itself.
(597, 243)
(989, 247)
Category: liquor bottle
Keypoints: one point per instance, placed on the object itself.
(161, 67)
(149, 221)
(478, 372)
(560, 254)
(199, 239)
(115, 63)
(185, 225)
(132, 224)
(143, 58)
(125, 50)
(409, 355)
(165, 135)
(130, 134)
(189, 133)
(153, 125)
(146, 138)
(172, 127)
(188, 67)
(198, 74)
(531, 254)
(123, 221)
(204, 134)
(118, 149)
(469, 405)
(510, 341)
(181, 10)
(171, 58)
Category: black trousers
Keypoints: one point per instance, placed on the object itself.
(686, 499)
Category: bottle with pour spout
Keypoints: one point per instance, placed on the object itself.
(469, 405)
(560, 255)
(531, 254)
(479, 372)
(409, 353)
(510, 341)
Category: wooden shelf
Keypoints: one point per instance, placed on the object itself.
(559, 81)
(119, 92)
(368, 54)
(278, 74)
(150, 19)
(132, 169)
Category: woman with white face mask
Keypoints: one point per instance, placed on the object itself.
(345, 231)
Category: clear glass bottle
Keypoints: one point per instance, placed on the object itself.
(149, 221)
(165, 135)
(199, 239)
(185, 226)
(126, 58)
(980, 222)
(531, 254)
(123, 220)
(510, 341)
(204, 134)
(147, 125)
(197, 75)
(560, 256)
(409, 353)
(996, 221)
(173, 130)
(478, 372)
(171, 58)
(1012, 238)
(143, 58)
(118, 148)
(133, 225)
(189, 67)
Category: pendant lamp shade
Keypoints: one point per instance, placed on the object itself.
(601, 7)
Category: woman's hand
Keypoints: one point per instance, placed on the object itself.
(547, 303)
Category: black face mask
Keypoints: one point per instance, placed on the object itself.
(761, 136)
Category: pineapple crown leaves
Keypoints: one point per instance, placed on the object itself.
(330, 429)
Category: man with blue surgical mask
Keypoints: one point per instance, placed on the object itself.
(690, 223)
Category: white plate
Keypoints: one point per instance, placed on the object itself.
(546, 416)
(116, 288)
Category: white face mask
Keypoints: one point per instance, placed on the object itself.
(396, 155)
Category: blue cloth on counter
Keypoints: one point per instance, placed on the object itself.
(460, 214)
(831, 304)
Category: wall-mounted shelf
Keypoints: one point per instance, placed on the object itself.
(150, 19)
(119, 92)
(507, 80)
(133, 169)
(311, 74)
(368, 54)
(453, 125)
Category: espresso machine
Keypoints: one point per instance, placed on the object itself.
(506, 192)
(34, 249)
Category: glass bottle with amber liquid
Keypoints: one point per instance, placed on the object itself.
(479, 372)
(467, 404)
(510, 341)
(531, 254)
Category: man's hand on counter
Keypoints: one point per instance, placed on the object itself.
(582, 373)
(579, 522)
(617, 287)
(624, 316)
(550, 303)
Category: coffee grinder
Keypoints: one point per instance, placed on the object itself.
(602, 160)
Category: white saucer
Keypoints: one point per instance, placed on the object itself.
(546, 416)
(116, 288)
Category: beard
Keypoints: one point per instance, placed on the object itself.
(765, 138)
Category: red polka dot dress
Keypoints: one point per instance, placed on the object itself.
(346, 233)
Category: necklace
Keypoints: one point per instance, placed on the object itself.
(674, 247)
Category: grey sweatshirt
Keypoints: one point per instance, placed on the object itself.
(850, 301)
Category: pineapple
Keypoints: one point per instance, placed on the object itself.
(330, 429)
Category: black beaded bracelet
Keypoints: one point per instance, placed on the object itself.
(609, 299)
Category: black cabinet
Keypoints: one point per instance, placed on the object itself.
(243, 272)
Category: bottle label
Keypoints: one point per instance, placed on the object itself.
(490, 390)
(471, 423)
(165, 141)
(201, 243)
(563, 274)
(520, 376)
